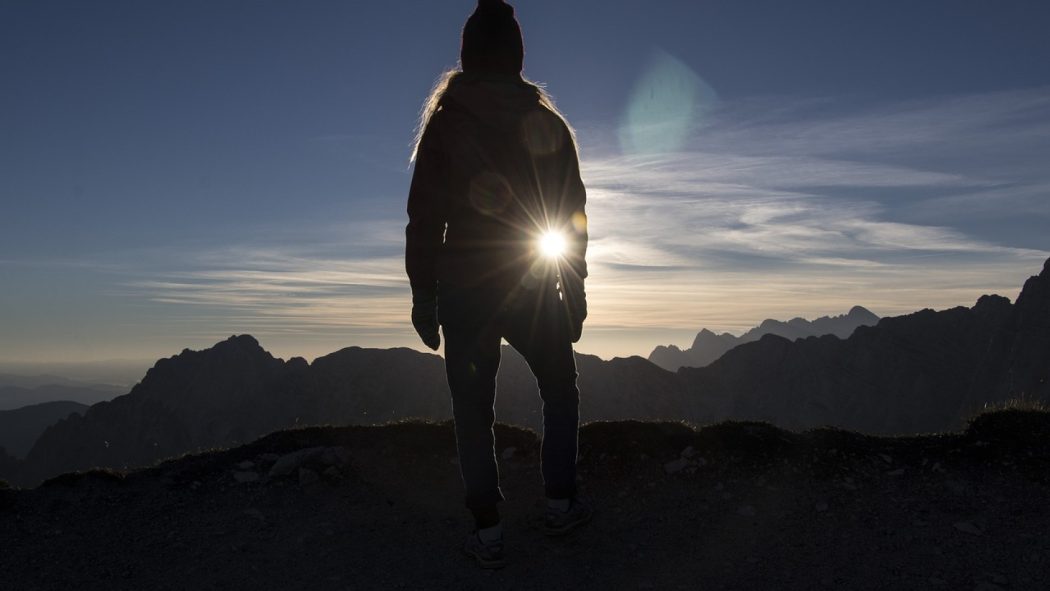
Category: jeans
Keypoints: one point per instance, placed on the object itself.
(535, 324)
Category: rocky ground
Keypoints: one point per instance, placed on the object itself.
(729, 506)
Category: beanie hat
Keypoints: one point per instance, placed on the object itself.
(492, 40)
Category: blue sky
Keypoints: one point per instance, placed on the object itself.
(175, 172)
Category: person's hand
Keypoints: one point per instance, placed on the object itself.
(576, 305)
(425, 321)
(576, 318)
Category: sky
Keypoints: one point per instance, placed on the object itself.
(177, 172)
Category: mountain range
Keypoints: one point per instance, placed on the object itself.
(709, 346)
(922, 372)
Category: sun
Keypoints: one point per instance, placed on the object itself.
(552, 244)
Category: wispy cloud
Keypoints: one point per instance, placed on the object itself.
(799, 213)
(776, 211)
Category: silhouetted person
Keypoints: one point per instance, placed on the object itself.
(496, 241)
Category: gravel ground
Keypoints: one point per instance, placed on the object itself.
(730, 506)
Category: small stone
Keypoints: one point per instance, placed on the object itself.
(245, 477)
(688, 452)
(289, 462)
(747, 511)
(508, 453)
(328, 457)
(246, 465)
(308, 477)
(344, 455)
(967, 527)
(675, 466)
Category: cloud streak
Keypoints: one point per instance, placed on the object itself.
(807, 215)
(769, 212)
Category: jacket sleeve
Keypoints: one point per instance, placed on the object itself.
(573, 211)
(574, 196)
(427, 204)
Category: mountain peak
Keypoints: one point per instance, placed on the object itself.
(240, 341)
(1036, 291)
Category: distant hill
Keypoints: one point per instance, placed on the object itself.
(38, 389)
(20, 428)
(708, 346)
(923, 372)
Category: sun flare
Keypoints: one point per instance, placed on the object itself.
(552, 244)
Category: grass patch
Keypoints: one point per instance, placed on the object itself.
(1016, 422)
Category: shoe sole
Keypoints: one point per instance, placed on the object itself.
(569, 527)
(483, 563)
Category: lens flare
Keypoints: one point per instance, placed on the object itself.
(552, 244)
(669, 102)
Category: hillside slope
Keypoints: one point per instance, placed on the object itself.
(730, 506)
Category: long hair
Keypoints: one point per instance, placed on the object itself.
(430, 106)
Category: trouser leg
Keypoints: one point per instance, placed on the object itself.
(541, 335)
(471, 362)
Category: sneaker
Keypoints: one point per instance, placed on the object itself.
(559, 523)
(488, 554)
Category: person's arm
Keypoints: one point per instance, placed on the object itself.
(574, 272)
(425, 232)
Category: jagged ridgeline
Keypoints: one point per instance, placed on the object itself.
(709, 346)
(923, 372)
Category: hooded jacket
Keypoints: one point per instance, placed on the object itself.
(495, 169)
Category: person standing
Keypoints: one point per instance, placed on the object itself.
(496, 249)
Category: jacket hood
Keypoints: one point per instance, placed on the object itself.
(498, 101)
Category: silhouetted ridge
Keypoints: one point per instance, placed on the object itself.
(708, 346)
